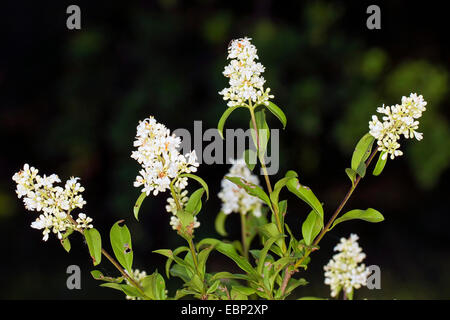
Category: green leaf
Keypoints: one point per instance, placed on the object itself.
(228, 275)
(351, 174)
(251, 188)
(67, 233)
(199, 180)
(182, 293)
(165, 252)
(213, 287)
(278, 113)
(370, 215)
(250, 159)
(121, 243)
(125, 288)
(219, 223)
(362, 151)
(98, 275)
(66, 244)
(282, 207)
(170, 260)
(244, 290)
(94, 242)
(224, 118)
(180, 272)
(380, 164)
(236, 295)
(137, 205)
(202, 257)
(154, 286)
(274, 195)
(361, 171)
(228, 250)
(311, 298)
(262, 255)
(195, 283)
(270, 231)
(294, 283)
(305, 193)
(262, 130)
(311, 227)
(194, 203)
(186, 218)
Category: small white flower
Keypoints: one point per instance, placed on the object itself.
(84, 222)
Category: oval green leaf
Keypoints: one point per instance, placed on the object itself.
(277, 112)
(224, 118)
(137, 205)
(311, 227)
(380, 164)
(370, 215)
(219, 223)
(306, 195)
(94, 242)
(362, 151)
(121, 243)
(199, 180)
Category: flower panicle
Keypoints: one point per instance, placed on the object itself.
(235, 199)
(345, 270)
(162, 164)
(246, 82)
(40, 194)
(397, 120)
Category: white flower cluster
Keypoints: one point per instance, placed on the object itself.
(399, 119)
(162, 163)
(235, 199)
(138, 276)
(344, 270)
(157, 152)
(171, 207)
(55, 203)
(246, 82)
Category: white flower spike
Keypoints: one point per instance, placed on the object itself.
(246, 82)
(157, 153)
(344, 271)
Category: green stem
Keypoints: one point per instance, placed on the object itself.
(174, 194)
(244, 235)
(126, 275)
(336, 213)
(114, 262)
(194, 253)
(266, 175)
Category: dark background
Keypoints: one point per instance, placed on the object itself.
(70, 102)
